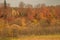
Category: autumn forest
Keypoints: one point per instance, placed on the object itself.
(29, 20)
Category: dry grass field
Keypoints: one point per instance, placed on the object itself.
(33, 37)
(48, 37)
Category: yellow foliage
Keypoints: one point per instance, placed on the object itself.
(23, 21)
(14, 12)
(35, 21)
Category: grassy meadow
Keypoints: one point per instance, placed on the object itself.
(34, 37)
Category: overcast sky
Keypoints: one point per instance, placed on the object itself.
(15, 3)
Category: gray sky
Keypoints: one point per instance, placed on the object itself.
(15, 3)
